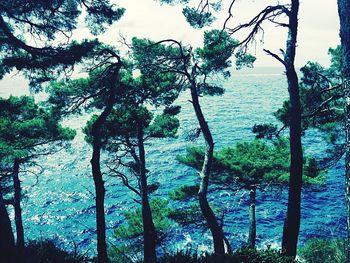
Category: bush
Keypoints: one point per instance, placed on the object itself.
(247, 255)
(324, 251)
(133, 226)
(240, 256)
(184, 192)
(190, 215)
(127, 253)
(47, 252)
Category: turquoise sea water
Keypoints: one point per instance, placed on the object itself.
(60, 205)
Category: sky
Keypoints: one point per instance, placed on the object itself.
(318, 30)
(318, 27)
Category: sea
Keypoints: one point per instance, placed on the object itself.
(59, 194)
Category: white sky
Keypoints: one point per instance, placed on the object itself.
(318, 30)
(318, 27)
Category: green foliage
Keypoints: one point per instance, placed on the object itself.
(120, 124)
(158, 88)
(266, 131)
(70, 96)
(24, 126)
(101, 12)
(64, 94)
(172, 110)
(244, 59)
(189, 215)
(52, 17)
(240, 256)
(282, 114)
(193, 158)
(197, 19)
(151, 188)
(252, 163)
(147, 54)
(123, 253)
(171, 56)
(209, 89)
(322, 101)
(133, 226)
(322, 105)
(183, 192)
(51, 24)
(217, 49)
(198, 16)
(335, 55)
(247, 255)
(164, 125)
(324, 251)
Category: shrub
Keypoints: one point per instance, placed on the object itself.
(47, 252)
(240, 256)
(133, 226)
(190, 215)
(184, 192)
(323, 251)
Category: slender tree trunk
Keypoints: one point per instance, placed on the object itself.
(7, 240)
(292, 222)
(149, 232)
(17, 206)
(215, 228)
(252, 218)
(99, 199)
(344, 16)
(96, 132)
(346, 87)
(98, 179)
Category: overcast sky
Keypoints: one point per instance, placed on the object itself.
(318, 30)
(318, 27)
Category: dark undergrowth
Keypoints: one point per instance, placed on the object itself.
(240, 256)
(314, 251)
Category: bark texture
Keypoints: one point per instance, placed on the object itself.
(252, 217)
(292, 222)
(7, 240)
(215, 228)
(96, 132)
(149, 232)
(17, 206)
(344, 17)
(99, 196)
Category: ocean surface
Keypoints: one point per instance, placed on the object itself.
(59, 203)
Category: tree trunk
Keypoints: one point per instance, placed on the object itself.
(96, 132)
(292, 222)
(215, 228)
(252, 218)
(344, 16)
(149, 232)
(100, 195)
(346, 87)
(98, 179)
(7, 241)
(17, 206)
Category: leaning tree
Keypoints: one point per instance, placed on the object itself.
(100, 91)
(344, 16)
(286, 16)
(125, 131)
(194, 67)
(252, 166)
